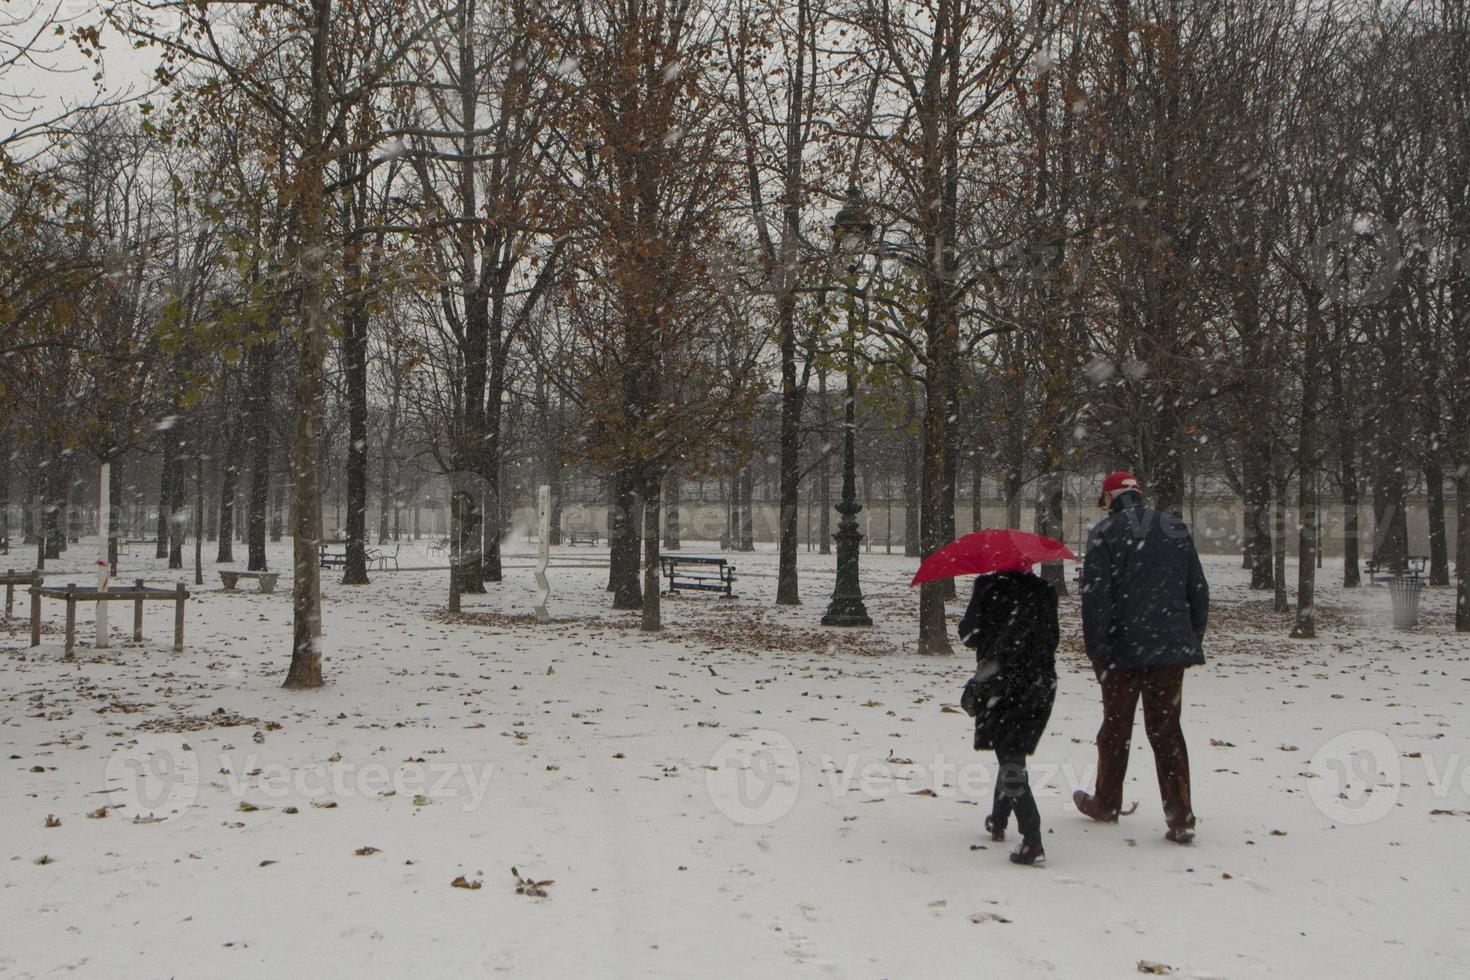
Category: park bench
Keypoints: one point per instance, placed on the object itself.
(137, 594)
(1411, 565)
(267, 580)
(700, 574)
(582, 537)
(331, 558)
(12, 578)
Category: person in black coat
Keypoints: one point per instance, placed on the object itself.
(1145, 605)
(1011, 623)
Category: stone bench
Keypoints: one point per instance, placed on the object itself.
(267, 580)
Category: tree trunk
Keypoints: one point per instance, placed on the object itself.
(673, 487)
(977, 492)
(911, 481)
(260, 479)
(491, 461)
(456, 541)
(177, 528)
(1014, 481)
(1049, 516)
(58, 476)
(933, 631)
(28, 508)
(229, 474)
(824, 473)
(1306, 474)
(278, 506)
(1279, 481)
(1390, 520)
(788, 592)
(1256, 468)
(1439, 553)
(650, 622)
(493, 529)
(5, 442)
(166, 475)
(947, 504)
(306, 597)
(747, 509)
(554, 480)
(624, 538)
(198, 517)
(115, 505)
(354, 357)
(1462, 535)
(1351, 575)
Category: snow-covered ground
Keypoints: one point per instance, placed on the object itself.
(745, 795)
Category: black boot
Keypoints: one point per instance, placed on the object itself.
(997, 832)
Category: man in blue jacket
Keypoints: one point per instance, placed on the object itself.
(1144, 607)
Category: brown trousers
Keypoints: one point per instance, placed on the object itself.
(1162, 690)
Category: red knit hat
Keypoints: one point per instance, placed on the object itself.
(1114, 482)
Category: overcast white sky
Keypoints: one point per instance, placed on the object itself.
(57, 77)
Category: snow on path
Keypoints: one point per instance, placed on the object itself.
(744, 795)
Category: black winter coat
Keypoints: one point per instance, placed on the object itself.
(1011, 623)
(1145, 600)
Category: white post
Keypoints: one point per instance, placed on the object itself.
(543, 551)
(104, 520)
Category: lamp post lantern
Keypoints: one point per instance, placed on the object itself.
(851, 230)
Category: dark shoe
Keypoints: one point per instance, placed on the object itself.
(1028, 854)
(1180, 835)
(1087, 806)
(996, 833)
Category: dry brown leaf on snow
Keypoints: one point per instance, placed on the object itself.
(529, 887)
(1158, 969)
(366, 850)
(463, 882)
(1220, 743)
(53, 821)
(982, 917)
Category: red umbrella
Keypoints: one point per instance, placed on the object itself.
(991, 550)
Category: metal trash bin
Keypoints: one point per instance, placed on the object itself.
(1405, 591)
